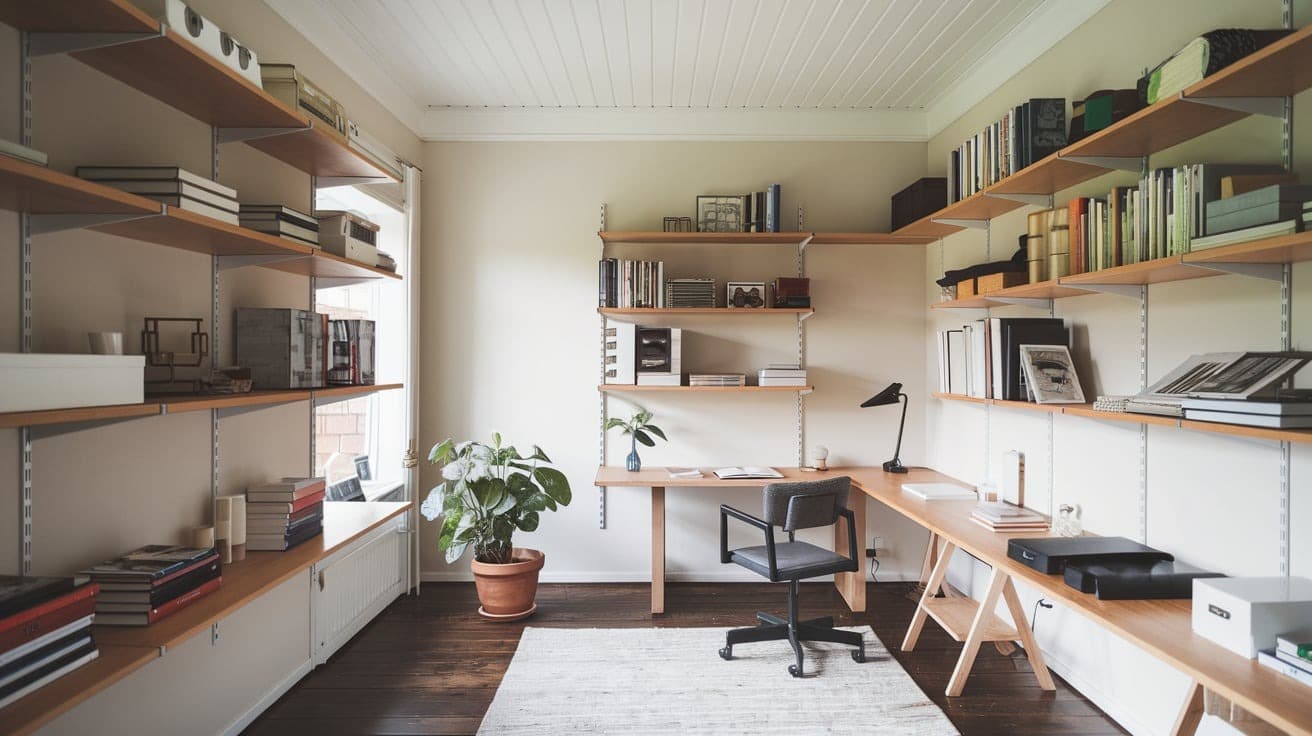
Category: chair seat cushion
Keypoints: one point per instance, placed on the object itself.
(796, 560)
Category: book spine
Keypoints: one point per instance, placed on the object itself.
(46, 621)
(18, 620)
(184, 600)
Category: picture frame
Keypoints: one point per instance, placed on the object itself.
(1050, 374)
(745, 295)
(723, 213)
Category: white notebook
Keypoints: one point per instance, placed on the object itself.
(746, 472)
(938, 491)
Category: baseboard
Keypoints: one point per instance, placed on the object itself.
(643, 577)
(1110, 706)
(249, 716)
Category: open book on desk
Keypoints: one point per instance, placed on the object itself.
(747, 472)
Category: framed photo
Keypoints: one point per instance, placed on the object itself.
(723, 214)
(745, 295)
(1050, 374)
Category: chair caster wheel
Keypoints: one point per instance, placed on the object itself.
(794, 671)
(726, 653)
(858, 655)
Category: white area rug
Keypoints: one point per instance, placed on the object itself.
(671, 681)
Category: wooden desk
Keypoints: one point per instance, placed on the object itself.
(850, 585)
(1161, 628)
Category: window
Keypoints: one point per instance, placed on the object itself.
(374, 425)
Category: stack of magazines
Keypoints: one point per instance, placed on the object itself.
(282, 221)
(172, 185)
(997, 516)
(153, 582)
(717, 379)
(45, 631)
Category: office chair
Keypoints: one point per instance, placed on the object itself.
(793, 506)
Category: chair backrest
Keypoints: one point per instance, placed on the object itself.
(805, 504)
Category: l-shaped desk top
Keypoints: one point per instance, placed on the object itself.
(1162, 628)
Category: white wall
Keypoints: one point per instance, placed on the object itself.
(511, 335)
(1211, 500)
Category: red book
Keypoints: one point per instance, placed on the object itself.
(184, 600)
(25, 626)
(308, 501)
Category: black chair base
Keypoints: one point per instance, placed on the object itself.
(774, 628)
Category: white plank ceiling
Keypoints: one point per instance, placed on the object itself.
(864, 54)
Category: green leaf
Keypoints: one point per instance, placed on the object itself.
(496, 439)
(508, 502)
(441, 451)
(612, 423)
(455, 552)
(529, 522)
(539, 455)
(656, 431)
(489, 492)
(520, 485)
(642, 437)
(554, 484)
(536, 502)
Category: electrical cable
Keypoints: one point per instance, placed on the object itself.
(1034, 616)
(874, 567)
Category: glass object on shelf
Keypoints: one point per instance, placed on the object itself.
(947, 293)
(1067, 523)
(988, 491)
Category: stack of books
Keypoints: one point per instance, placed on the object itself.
(172, 185)
(782, 374)
(153, 582)
(45, 631)
(281, 515)
(997, 516)
(717, 379)
(1282, 412)
(282, 221)
(690, 293)
(1292, 656)
(1279, 209)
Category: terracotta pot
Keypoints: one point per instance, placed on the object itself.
(507, 591)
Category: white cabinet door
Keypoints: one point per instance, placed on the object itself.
(354, 584)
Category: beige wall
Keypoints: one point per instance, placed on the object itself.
(510, 334)
(1212, 501)
(102, 491)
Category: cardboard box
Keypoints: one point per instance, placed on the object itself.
(1245, 615)
(43, 381)
(999, 281)
(283, 348)
(966, 289)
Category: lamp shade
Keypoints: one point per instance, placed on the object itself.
(885, 397)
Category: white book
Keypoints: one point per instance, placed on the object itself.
(1268, 658)
(767, 381)
(176, 187)
(46, 680)
(747, 472)
(684, 472)
(938, 491)
(956, 343)
(154, 173)
(191, 205)
(1269, 421)
(660, 379)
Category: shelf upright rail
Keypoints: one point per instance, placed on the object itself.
(602, 400)
(25, 310)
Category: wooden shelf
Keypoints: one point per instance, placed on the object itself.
(1302, 436)
(1293, 248)
(624, 388)
(186, 230)
(174, 71)
(1042, 290)
(244, 581)
(956, 615)
(1156, 271)
(27, 187)
(1281, 69)
(179, 404)
(322, 264)
(869, 239)
(692, 311)
(112, 663)
(661, 238)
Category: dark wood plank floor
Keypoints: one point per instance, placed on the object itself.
(430, 665)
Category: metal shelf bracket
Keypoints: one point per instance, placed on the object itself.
(45, 224)
(234, 135)
(1022, 301)
(328, 182)
(960, 222)
(1264, 271)
(1038, 200)
(1272, 107)
(1127, 290)
(46, 44)
(1116, 163)
(329, 282)
(227, 263)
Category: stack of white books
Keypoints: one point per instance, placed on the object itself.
(998, 516)
(172, 185)
(782, 374)
(282, 221)
(1292, 656)
(717, 379)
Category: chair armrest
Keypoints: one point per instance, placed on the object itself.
(725, 513)
(851, 532)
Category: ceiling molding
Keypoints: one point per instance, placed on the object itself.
(1040, 31)
(545, 124)
(315, 23)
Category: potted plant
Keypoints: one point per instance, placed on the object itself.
(486, 494)
(640, 429)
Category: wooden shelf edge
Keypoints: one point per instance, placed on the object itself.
(699, 238)
(627, 388)
(691, 311)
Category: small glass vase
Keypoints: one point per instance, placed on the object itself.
(633, 462)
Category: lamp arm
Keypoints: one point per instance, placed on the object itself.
(897, 453)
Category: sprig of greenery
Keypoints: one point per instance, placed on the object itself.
(638, 426)
(487, 493)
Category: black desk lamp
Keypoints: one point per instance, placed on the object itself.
(888, 396)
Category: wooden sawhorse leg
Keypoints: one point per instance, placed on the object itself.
(975, 623)
(1191, 713)
(852, 585)
(658, 549)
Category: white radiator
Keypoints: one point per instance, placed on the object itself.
(354, 585)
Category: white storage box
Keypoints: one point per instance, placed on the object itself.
(40, 381)
(1247, 614)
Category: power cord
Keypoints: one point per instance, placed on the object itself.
(1034, 616)
(874, 567)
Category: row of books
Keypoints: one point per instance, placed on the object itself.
(285, 513)
(1291, 656)
(153, 582)
(982, 359)
(346, 234)
(1030, 132)
(626, 284)
(45, 631)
